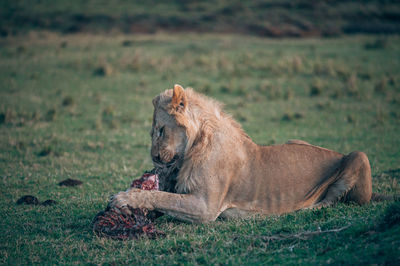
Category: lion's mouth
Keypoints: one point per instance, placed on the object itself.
(167, 172)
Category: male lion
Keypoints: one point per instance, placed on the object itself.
(222, 172)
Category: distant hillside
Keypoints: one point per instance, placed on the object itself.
(273, 18)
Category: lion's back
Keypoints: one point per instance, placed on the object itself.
(283, 175)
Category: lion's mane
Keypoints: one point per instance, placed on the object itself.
(207, 128)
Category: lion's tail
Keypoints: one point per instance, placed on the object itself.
(381, 197)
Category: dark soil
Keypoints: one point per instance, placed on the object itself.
(48, 202)
(45, 151)
(32, 200)
(28, 199)
(70, 182)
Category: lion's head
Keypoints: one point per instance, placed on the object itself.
(168, 137)
(187, 127)
(182, 119)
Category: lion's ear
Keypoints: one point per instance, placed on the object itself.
(178, 102)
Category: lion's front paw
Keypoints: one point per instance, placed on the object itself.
(120, 201)
(134, 198)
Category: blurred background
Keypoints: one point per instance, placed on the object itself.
(268, 18)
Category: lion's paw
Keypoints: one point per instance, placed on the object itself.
(120, 201)
(134, 198)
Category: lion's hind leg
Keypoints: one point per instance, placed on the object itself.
(361, 191)
(353, 182)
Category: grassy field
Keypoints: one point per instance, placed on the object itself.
(79, 106)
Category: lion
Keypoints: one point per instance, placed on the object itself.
(223, 173)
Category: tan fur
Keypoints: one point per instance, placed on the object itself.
(224, 173)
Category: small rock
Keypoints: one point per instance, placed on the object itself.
(105, 70)
(45, 151)
(298, 115)
(67, 101)
(291, 116)
(127, 43)
(51, 115)
(315, 89)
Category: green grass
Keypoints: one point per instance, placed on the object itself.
(79, 106)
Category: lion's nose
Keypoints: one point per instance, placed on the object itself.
(154, 152)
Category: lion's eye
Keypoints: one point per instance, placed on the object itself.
(161, 132)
